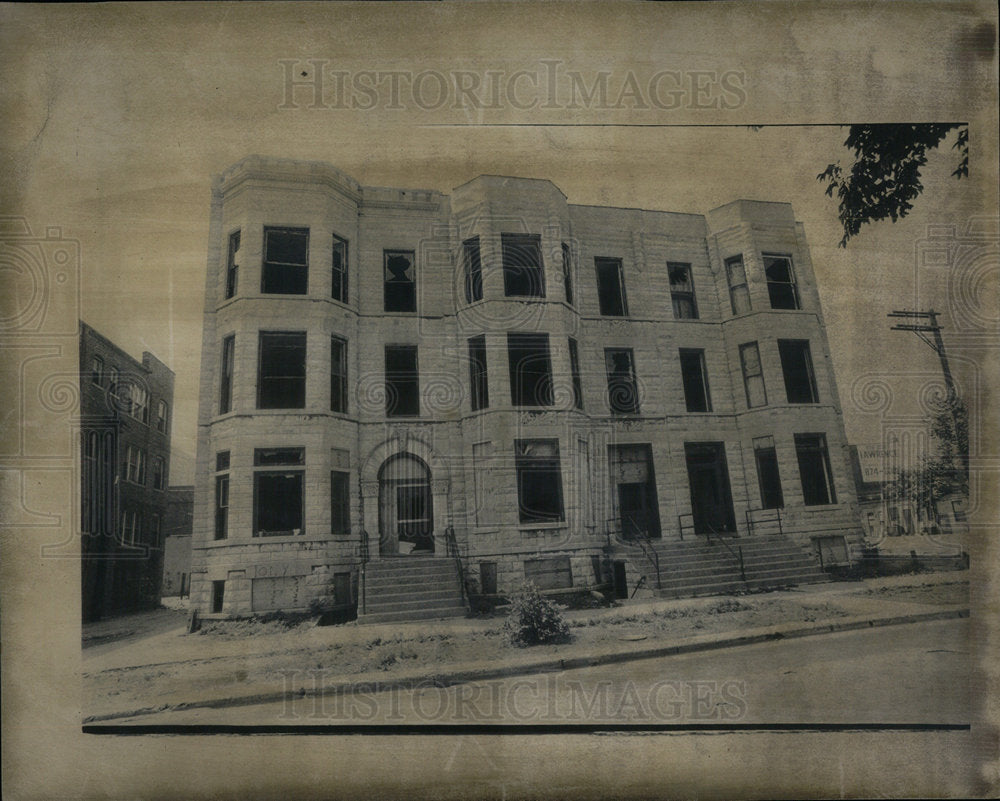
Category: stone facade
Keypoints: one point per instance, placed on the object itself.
(637, 418)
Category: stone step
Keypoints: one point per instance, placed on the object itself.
(410, 585)
(431, 597)
(412, 615)
(404, 604)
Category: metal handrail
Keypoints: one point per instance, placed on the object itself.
(680, 523)
(451, 547)
(737, 554)
(752, 521)
(644, 541)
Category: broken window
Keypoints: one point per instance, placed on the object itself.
(694, 376)
(233, 264)
(400, 287)
(781, 282)
(539, 480)
(278, 501)
(161, 417)
(753, 375)
(768, 478)
(797, 366)
(159, 472)
(268, 457)
(739, 294)
(682, 291)
(218, 596)
(473, 266)
(479, 386)
(574, 368)
(623, 392)
(567, 270)
(402, 381)
(338, 277)
(226, 375)
(814, 469)
(611, 287)
(286, 261)
(340, 499)
(530, 369)
(523, 275)
(281, 370)
(338, 375)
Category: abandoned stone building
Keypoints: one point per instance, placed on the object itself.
(409, 398)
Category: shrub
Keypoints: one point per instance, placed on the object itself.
(533, 620)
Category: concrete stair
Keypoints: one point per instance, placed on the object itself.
(696, 567)
(411, 588)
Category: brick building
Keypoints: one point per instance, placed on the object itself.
(502, 380)
(177, 527)
(125, 408)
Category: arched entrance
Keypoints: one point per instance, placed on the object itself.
(405, 506)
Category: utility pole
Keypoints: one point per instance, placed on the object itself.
(922, 329)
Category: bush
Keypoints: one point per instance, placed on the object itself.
(533, 620)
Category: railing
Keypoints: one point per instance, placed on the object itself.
(682, 525)
(737, 554)
(365, 555)
(641, 538)
(451, 547)
(753, 519)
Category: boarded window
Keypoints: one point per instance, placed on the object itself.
(739, 294)
(338, 375)
(226, 375)
(233, 264)
(340, 500)
(539, 480)
(797, 367)
(402, 381)
(530, 369)
(281, 370)
(279, 592)
(682, 291)
(781, 287)
(694, 376)
(832, 550)
(479, 385)
(611, 287)
(814, 469)
(343, 594)
(523, 274)
(623, 392)
(400, 281)
(552, 573)
(338, 277)
(574, 367)
(286, 261)
(753, 375)
(768, 478)
(472, 266)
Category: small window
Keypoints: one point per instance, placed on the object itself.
(96, 370)
(340, 511)
(797, 366)
(567, 270)
(523, 273)
(338, 278)
(478, 381)
(402, 381)
(113, 379)
(781, 286)
(611, 287)
(623, 392)
(473, 266)
(550, 573)
(278, 503)
(539, 480)
(218, 596)
(281, 370)
(221, 507)
(286, 261)
(682, 291)
(400, 281)
(753, 375)
(530, 369)
(768, 478)
(226, 375)
(159, 473)
(338, 375)
(222, 461)
(695, 379)
(233, 264)
(574, 368)
(161, 417)
(267, 457)
(814, 469)
(739, 294)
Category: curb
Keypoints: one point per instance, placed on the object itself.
(549, 665)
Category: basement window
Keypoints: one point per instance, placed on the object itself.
(682, 291)
(695, 379)
(479, 386)
(338, 375)
(233, 264)
(530, 369)
(523, 275)
(473, 266)
(611, 287)
(768, 479)
(400, 281)
(338, 276)
(814, 469)
(781, 286)
(739, 294)
(753, 375)
(286, 261)
(539, 481)
(623, 392)
(797, 366)
(226, 375)
(281, 370)
(402, 381)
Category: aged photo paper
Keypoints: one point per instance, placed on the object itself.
(499, 400)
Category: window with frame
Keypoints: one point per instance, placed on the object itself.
(539, 481)
(814, 469)
(768, 478)
(694, 377)
(226, 375)
(281, 370)
(222, 495)
(781, 286)
(797, 367)
(159, 473)
(154, 532)
(623, 391)
(233, 265)
(131, 527)
(611, 287)
(523, 270)
(567, 270)
(338, 375)
(278, 495)
(340, 499)
(135, 465)
(472, 266)
(338, 275)
(138, 402)
(96, 370)
(753, 375)
(402, 381)
(574, 369)
(400, 281)
(161, 417)
(218, 596)
(286, 261)
(478, 380)
(682, 291)
(530, 366)
(739, 293)
(113, 380)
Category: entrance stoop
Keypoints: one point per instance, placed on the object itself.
(410, 588)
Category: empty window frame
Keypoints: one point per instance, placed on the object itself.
(159, 473)
(530, 369)
(814, 469)
(694, 376)
(611, 287)
(338, 272)
(478, 381)
(96, 370)
(574, 368)
(340, 503)
(222, 495)
(781, 287)
(682, 291)
(739, 294)
(218, 596)
(768, 478)
(338, 375)
(281, 370)
(226, 375)
(753, 375)
(400, 281)
(286, 261)
(233, 265)
(278, 495)
(797, 367)
(523, 273)
(472, 266)
(402, 381)
(161, 417)
(135, 465)
(623, 391)
(567, 270)
(539, 481)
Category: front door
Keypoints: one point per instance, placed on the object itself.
(637, 505)
(708, 478)
(405, 509)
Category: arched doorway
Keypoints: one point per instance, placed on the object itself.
(405, 506)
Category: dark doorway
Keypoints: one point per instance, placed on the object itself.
(405, 507)
(711, 497)
(635, 488)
